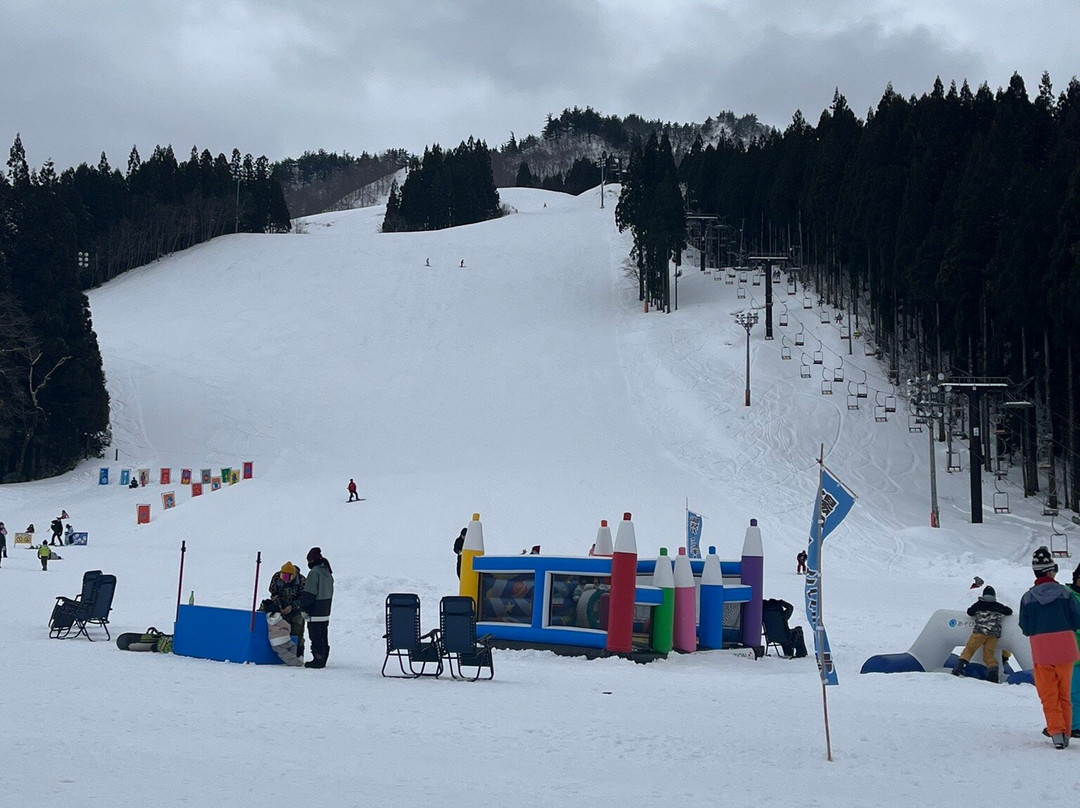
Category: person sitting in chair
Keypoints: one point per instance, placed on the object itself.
(796, 645)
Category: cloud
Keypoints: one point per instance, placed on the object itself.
(275, 77)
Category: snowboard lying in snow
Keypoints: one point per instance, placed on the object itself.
(150, 640)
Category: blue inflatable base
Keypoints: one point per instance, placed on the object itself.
(225, 635)
(906, 663)
(892, 663)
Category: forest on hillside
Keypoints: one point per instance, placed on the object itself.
(948, 224)
(63, 233)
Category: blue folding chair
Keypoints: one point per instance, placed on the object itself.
(414, 651)
(460, 646)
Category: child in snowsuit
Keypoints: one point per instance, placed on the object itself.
(989, 615)
(44, 554)
(278, 632)
(1050, 617)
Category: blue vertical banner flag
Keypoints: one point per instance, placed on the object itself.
(832, 505)
(693, 534)
(103, 476)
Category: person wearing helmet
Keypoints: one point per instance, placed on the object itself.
(1050, 618)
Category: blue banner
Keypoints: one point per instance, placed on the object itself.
(693, 534)
(103, 476)
(831, 506)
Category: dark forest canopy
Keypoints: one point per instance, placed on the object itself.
(953, 218)
(444, 189)
(62, 234)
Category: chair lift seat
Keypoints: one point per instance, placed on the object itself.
(404, 641)
(460, 645)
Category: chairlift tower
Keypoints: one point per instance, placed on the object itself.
(747, 320)
(975, 389)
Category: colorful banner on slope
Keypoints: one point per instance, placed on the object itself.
(693, 534)
(832, 505)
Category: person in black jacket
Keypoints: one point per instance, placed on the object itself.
(57, 532)
(989, 615)
(459, 543)
(315, 601)
(796, 645)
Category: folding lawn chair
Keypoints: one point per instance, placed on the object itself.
(404, 641)
(98, 612)
(460, 646)
(62, 619)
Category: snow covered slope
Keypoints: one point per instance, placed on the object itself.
(529, 386)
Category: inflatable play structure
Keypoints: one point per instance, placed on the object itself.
(947, 630)
(612, 601)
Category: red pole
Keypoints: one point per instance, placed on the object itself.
(180, 583)
(255, 594)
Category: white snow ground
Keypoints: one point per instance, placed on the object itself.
(530, 387)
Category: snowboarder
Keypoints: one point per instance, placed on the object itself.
(57, 531)
(352, 490)
(1050, 617)
(316, 600)
(989, 615)
(277, 631)
(800, 560)
(286, 589)
(459, 543)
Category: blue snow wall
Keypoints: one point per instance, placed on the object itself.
(225, 635)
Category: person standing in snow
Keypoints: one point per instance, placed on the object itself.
(1050, 618)
(44, 554)
(459, 543)
(352, 489)
(57, 531)
(1074, 589)
(68, 530)
(989, 615)
(316, 601)
(3, 541)
(800, 562)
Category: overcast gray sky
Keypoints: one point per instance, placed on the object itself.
(278, 78)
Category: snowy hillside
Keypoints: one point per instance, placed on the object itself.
(528, 386)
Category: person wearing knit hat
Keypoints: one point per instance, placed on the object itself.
(316, 601)
(1074, 590)
(1050, 618)
(989, 615)
(286, 587)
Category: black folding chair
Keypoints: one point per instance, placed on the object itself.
(62, 619)
(460, 646)
(404, 640)
(98, 613)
